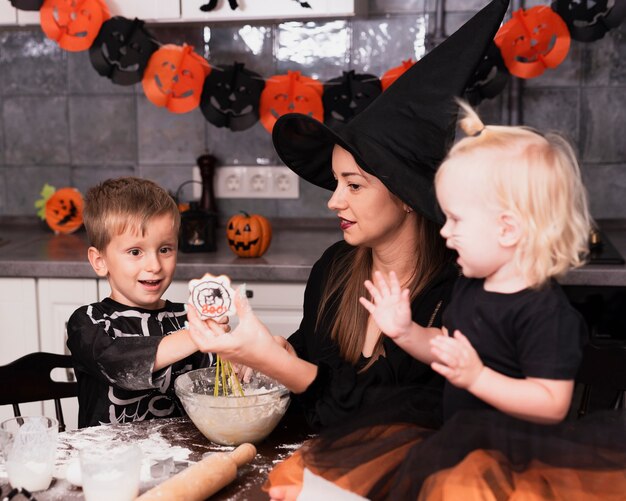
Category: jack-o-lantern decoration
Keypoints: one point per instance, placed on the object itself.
(64, 210)
(589, 20)
(290, 93)
(390, 76)
(122, 49)
(27, 4)
(532, 41)
(490, 77)
(174, 77)
(73, 24)
(249, 235)
(230, 97)
(346, 96)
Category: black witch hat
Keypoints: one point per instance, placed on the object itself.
(402, 137)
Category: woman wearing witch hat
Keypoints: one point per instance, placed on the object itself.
(380, 168)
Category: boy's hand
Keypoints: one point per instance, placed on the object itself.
(458, 361)
(390, 306)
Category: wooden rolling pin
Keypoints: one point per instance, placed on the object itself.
(202, 479)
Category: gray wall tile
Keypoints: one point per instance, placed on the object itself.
(318, 49)
(86, 176)
(168, 138)
(2, 146)
(31, 64)
(252, 146)
(36, 130)
(103, 130)
(313, 202)
(553, 109)
(602, 125)
(170, 177)
(3, 190)
(84, 79)
(380, 44)
(24, 184)
(606, 185)
(605, 59)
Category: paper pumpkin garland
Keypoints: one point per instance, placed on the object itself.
(230, 97)
(346, 96)
(489, 79)
(392, 75)
(27, 4)
(589, 20)
(122, 49)
(174, 77)
(73, 24)
(290, 93)
(532, 41)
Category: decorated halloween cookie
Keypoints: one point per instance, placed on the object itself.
(212, 296)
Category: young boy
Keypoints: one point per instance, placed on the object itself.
(129, 348)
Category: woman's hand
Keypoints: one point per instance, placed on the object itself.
(391, 306)
(245, 345)
(458, 361)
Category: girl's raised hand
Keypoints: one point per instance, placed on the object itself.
(390, 306)
(458, 361)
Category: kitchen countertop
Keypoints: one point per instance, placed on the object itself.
(29, 249)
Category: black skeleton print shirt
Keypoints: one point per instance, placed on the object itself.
(114, 347)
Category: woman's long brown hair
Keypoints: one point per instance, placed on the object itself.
(345, 282)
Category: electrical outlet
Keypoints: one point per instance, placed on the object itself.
(252, 182)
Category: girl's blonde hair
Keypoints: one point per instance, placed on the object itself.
(536, 177)
(115, 205)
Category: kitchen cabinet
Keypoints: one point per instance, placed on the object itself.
(147, 10)
(19, 336)
(8, 14)
(275, 9)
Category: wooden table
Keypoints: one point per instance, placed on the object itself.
(180, 439)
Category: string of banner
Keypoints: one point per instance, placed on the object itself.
(180, 80)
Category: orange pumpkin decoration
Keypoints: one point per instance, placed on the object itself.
(64, 210)
(174, 78)
(392, 75)
(532, 41)
(249, 235)
(290, 93)
(73, 24)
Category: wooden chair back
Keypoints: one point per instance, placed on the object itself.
(29, 379)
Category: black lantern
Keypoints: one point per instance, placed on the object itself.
(197, 229)
(198, 224)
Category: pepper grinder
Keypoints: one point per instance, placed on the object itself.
(199, 224)
(206, 163)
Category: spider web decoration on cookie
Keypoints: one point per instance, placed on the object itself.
(212, 296)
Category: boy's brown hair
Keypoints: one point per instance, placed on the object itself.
(115, 205)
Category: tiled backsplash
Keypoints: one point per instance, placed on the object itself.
(62, 123)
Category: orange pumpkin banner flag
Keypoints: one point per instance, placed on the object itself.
(533, 40)
(290, 93)
(64, 210)
(73, 24)
(392, 75)
(174, 77)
